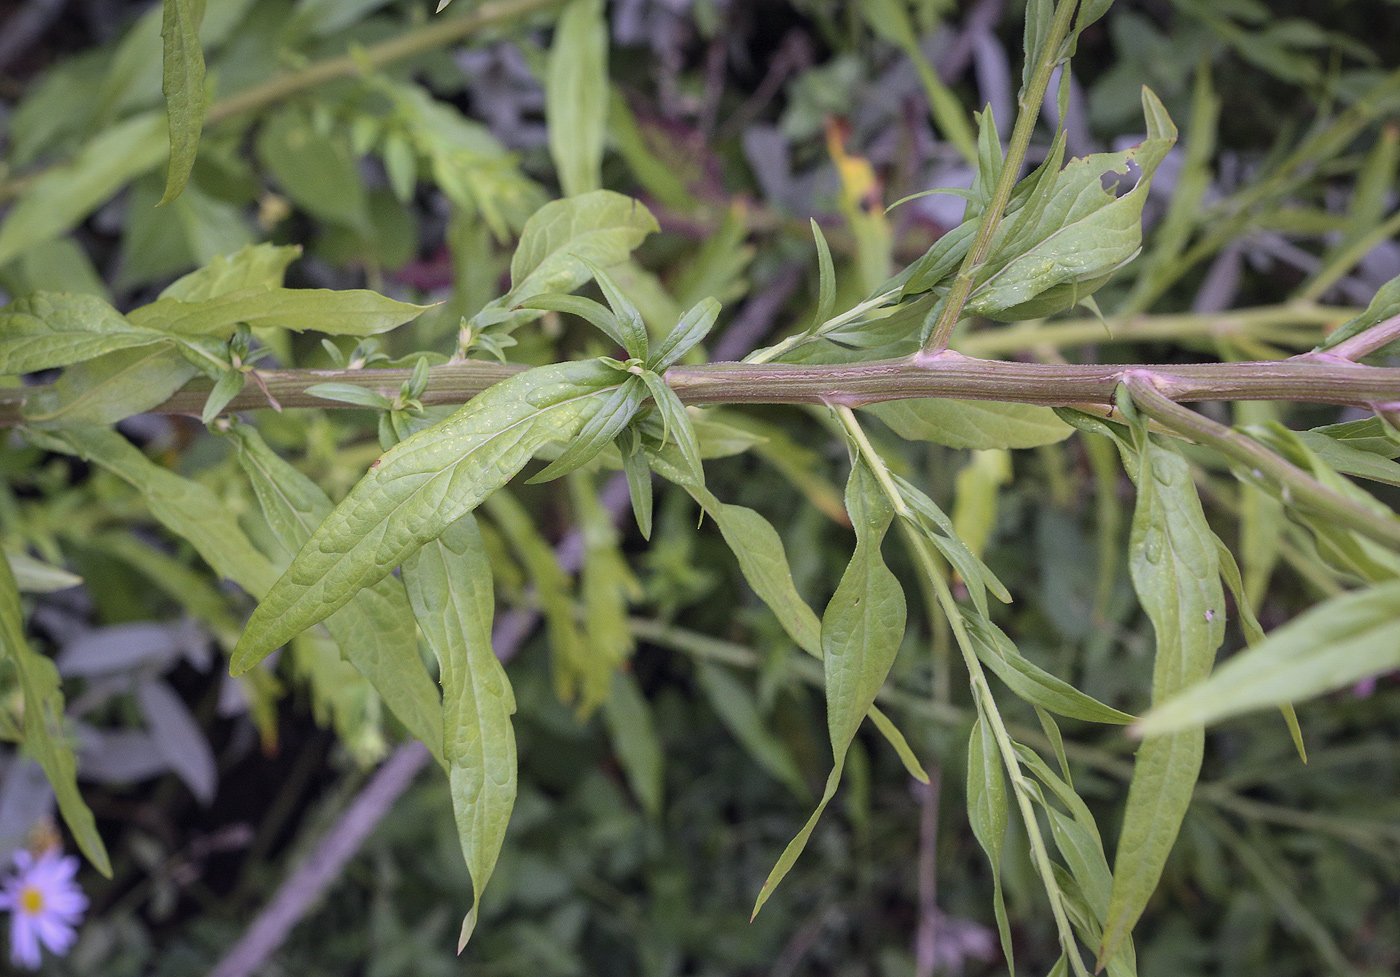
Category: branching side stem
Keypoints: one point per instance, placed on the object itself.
(1028, 112)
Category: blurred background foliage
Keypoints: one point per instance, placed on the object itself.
(735, 122)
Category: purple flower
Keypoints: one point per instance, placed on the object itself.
(45, 905)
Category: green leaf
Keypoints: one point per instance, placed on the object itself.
(316, 171)
(1073, 231)
(449, 584)
(109, 388)
(61, 197)
(37, 577)
(187, 508)
(676, 423)
(971, 423)
(43, 722)
(182, 83)
(1333, 645)
(348, 312)
(576, 96)
(228, 386)
(633, 734)
(1254, 633)
(595, 313)
(374, 631)
(601, 226)
(49, 329)
(632, 330)
(860, 636)
(1350, 460)
(349, 393)
(940, 531)
(987, 812)
(606, 583)
(578, 675)
(1176, 572)
(1384, 304)
(763, 561)
(418, 488)
(826, 277)
(634, 464)
(737, 708)
(694, 326)
(255, 266)
(1031, 682)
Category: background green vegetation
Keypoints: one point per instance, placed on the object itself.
(644, 829)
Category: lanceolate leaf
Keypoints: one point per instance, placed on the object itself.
(62, 197)
(43, 722)
(634, 737)
(576, 96)
(374, 631)
(110, 387)
(183, 85)
(420, 487)
(187, 508)
(1081, 232)
(599, 430)
(578, 676)
(694, 326)
(254, 266)
(450, 586)
(351, 312)
(988, 811)
(1031, 682)
(48, 329)
(601, 226)
(860, 635)
(1176, 572)
(737, 708)
(1334, 645)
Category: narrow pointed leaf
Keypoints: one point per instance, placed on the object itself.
(988, 813)
(1176, 572)
(594, 312)
(449, 585)
(48, 329)
(1332, 646)
(694, 326)
(1034, 684)
(860, 635)
(826, 277)
(576, 95)
(182, 83)
(633, 733)
(420, 487)
(612, 416)
(44, 738)
(374, 631)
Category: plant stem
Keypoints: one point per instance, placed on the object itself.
(945, 374)
(1300, 489)
(1363, 343)
(1027, 113)
(435, 34)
